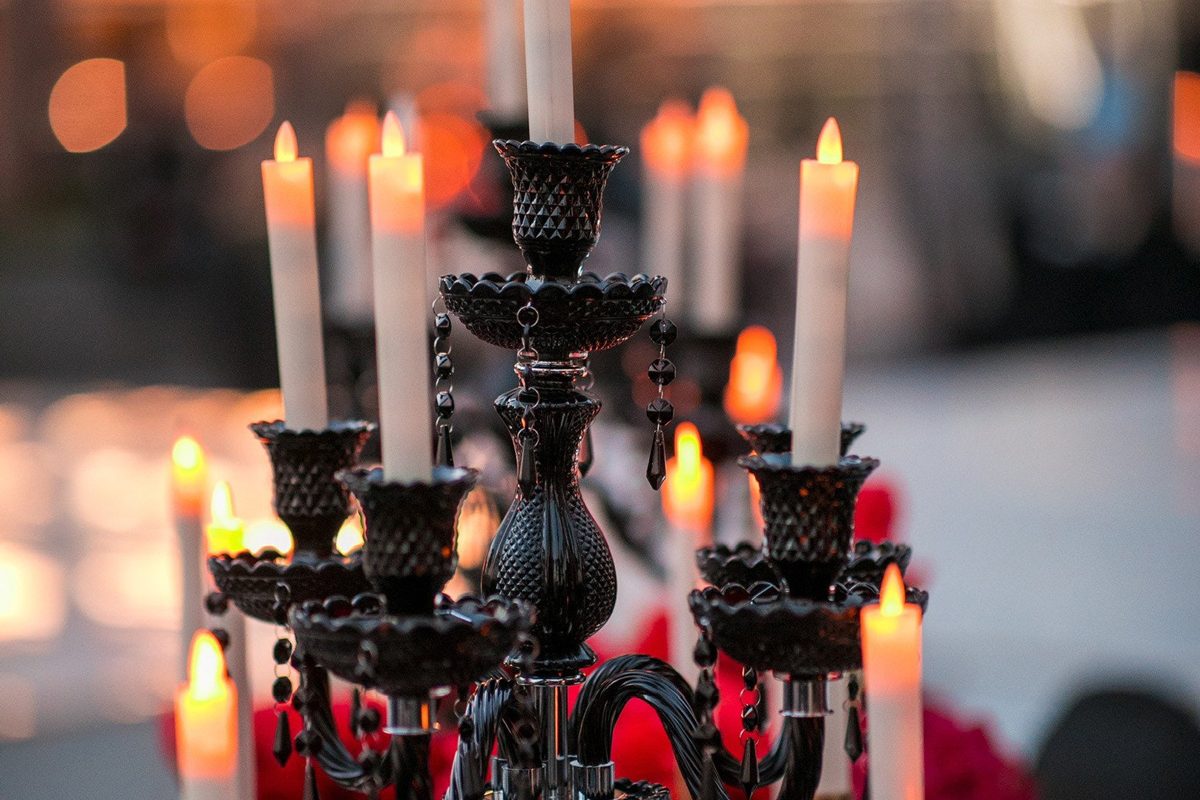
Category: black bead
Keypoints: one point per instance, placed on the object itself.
(282, 593)
(527, 465)
(283, 739)
(283, 651)
(707, 693)
(216, 603)
(854, 738)
(442, 324)
(443, 366)
(368, 721)
(309, 744)
(660, 411)
(222, 637)
(311, 607)
(279, 613)
(281, 689)
(444, 404)
(663, 332)
(661, 371)
(338, 606)
(466, 727)
(705, 653)
(750, 718)
(367, 603)
(750, 678)
(656, 466)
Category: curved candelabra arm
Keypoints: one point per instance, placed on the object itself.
(623, 679)
(802, 770)
(471, 759)
(335, 759)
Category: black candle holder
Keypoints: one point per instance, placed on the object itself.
(409, 546)
(771, 437)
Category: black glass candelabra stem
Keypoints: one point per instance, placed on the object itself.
(802, 772)
(548, 550)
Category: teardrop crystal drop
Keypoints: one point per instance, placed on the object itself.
(656, 469)
(445, 448)
(283, 739)
(748, 777)
(527, 465)
(310, 782)
(854, 737)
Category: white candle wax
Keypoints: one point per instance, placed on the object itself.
(291, 233)
(548, 68)
(349, 142)
(666, 153)
(714, 296)
(827, 192)
(398, 250)
(891, 642)
(502, 32)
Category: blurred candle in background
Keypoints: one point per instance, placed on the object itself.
(1185, 149)
(206, 732)
(548, 75)
(397, 193)
(226, 534)
(755, 386)
(687, 498)
(189, 478)
(722, 135)
(891, 644)
(666, 159)
(828, 186)
(349, 142)
(502, 33)
(292, 236)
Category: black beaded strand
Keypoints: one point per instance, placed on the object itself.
(752, 722)
(443, 372)
(660, 411)
(281, 688)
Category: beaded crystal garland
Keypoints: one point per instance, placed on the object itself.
(787, 611)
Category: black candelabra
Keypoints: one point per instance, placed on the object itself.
(378, 619)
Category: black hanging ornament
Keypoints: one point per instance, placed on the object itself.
(853, 742)
(282, 749)
(443, 372)
(660, 412)
(748, 777)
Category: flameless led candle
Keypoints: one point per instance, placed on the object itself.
(714, 299)
(397, 190)
(755, 378)
(503, 37)
(687, 498)
(828, 186)
(349, 142)
(205, 725)
(291, 234)
(189, 476)
(667, 154)
(548, 74)
(891, 643)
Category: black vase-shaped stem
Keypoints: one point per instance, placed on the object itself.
(308, 497)
(409, 547)
(808, 513)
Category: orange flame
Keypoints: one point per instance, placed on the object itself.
(667, 139)
(829, 143)
(393, 136)
(755, 378)
(721, 134)
(206, 667)
(285, 143)
(891, 595)
(188, 473)
(688, 491)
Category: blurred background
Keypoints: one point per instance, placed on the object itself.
(1024, 323)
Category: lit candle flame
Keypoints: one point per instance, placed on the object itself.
(206, 667)
(829, 143)
(188, 472)
(222, 505)
(688, 491)
(393, 136)
(667, 139)
(755, 385)
(891, 594)
(721, 133)
(285, 143)
(225, 533)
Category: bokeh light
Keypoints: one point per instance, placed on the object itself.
(132, 588)
(230, 102)
(453, 147)
(199, 31)
(33, 604)
(87, 105)
(1186, 121)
